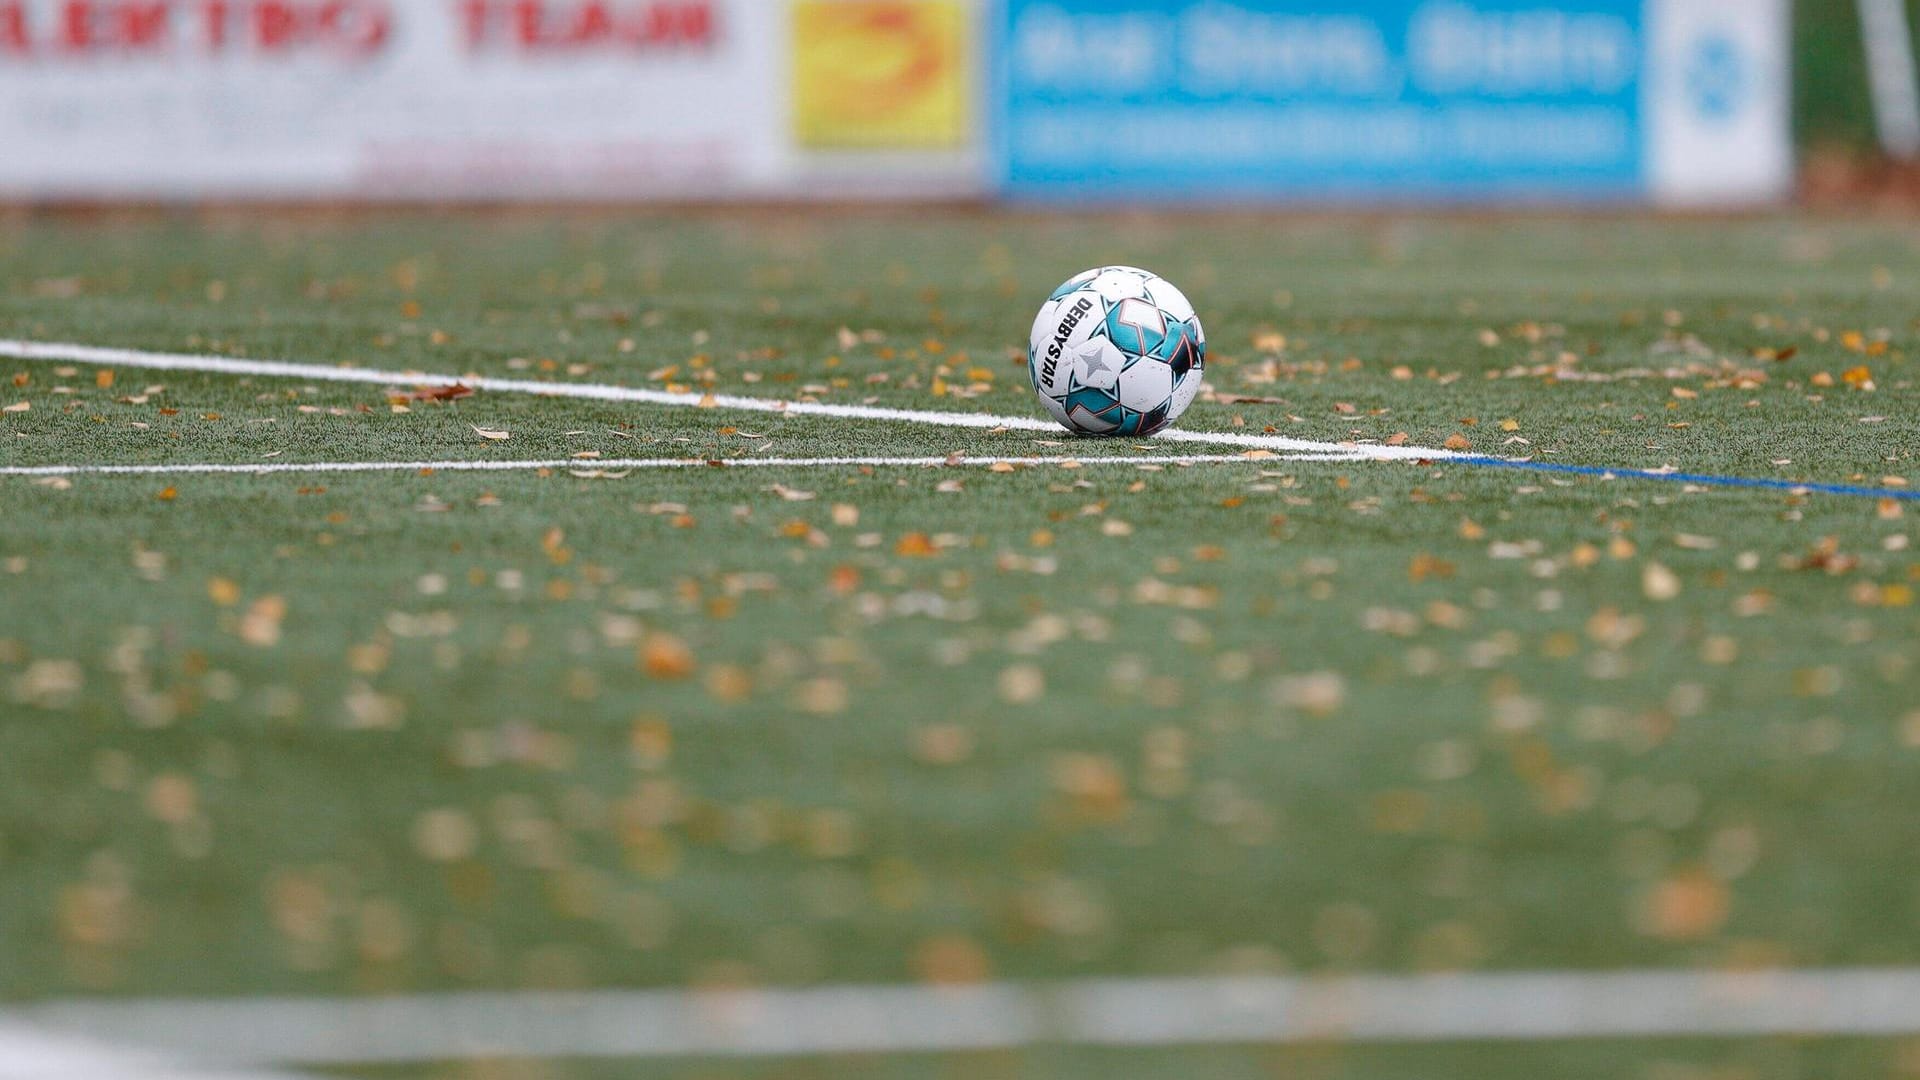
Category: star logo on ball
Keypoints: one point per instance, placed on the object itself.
(1096, 366)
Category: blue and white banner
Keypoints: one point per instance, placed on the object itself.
(1402, 100)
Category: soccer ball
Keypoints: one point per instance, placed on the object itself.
(1116, 351)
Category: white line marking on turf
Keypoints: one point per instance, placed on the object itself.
(1090, 1012)
(606, 465)
(137, 358)
(32, 1053)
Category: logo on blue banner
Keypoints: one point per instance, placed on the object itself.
(1324, 98)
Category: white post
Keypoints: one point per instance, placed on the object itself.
(1890, 74)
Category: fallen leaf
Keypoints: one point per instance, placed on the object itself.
(1022, 684)
(916, 545)
(664, 656)
(439, 393)
(1690, 904)
(1658, 582)
(492, 434)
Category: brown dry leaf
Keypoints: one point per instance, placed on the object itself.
(951, 960)
(18, 406)
(916, 545)
(822, 696)
(664, 656)
(492, 434)
(168, 493)
(1457, 441)
(439, 393)
(942, 744)
(1689, 905)
(846, 515)
(172, 798)
(791, 494)
(223, 591)
(1398, 438)
(445, 835)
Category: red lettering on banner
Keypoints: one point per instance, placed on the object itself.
(274, 26)
(141, 25)
(556, 25)
(361, 28)
(351, 27)
(473, 23)
(76, 25)
(213, 17)
(278, 26)
(13, 28)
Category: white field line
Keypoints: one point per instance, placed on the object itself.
(158, 361)
(1090, 1012)
(32, 1053)
(616, 465)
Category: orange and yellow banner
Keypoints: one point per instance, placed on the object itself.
(881, 74)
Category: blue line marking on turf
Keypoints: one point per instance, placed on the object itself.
(1705, 479)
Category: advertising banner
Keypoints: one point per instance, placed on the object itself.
(618, 99)
(884, 98)
(1369, 100)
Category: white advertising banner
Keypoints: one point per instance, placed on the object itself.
(482, 98)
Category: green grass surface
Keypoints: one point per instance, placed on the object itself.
(354, 734)
(1760, 1059)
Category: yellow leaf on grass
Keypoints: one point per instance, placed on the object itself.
(1658, 582)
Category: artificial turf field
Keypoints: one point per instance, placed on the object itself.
(364, 733)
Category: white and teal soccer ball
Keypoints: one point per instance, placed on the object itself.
(1116, 351)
